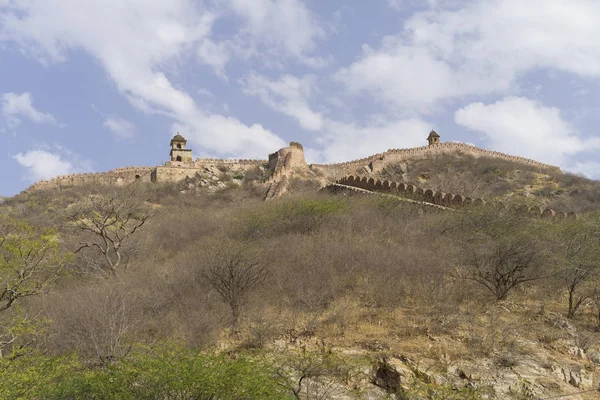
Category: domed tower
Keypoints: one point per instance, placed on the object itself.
(178, 150)
(433, 138)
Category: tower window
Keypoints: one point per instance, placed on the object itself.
(137, 177)
(178, 158)
(178, 145)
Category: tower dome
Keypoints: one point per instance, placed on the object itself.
(178, 151)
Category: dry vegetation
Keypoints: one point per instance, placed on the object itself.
(314, 288)
(497, 179)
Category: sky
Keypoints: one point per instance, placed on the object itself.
(92, 85)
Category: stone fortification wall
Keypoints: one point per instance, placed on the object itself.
(118, 176)
(205, 162)
(439, 198)
(172, 171)
(234, 162)
(377, 161)
(283, 164)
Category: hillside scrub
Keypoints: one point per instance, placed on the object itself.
(374, 274)
(496, 179)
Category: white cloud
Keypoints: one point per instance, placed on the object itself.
(133, 53)
(288, 95)
(524, 127)
(590, 169)
(280, 26)
(346, 141)
(479, 48)
(15, 106)
(41, 164)
(239, 141)
(338, 140)
(401, 5)
(122, 128)
(216, 55)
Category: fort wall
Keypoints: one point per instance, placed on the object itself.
(283, 164)
(377, 161)
(118, 176)
(172, 171)
(439, 198)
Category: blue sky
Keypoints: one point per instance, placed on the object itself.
(91, 85)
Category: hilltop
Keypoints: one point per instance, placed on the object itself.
(448, 167)
(355, 280)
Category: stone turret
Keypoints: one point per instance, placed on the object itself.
(433, 138)
(289, 158)
(178, 151)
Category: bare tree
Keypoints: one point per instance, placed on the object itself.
(498, 250)
(313, 375)
(100, 321)
(107, 223)
(234, 271)
(577, 250)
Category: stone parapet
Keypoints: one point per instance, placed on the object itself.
(440, 198)
(398, 155)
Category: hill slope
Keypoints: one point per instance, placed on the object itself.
(360, 296)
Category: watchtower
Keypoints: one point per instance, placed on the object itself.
(433, 138)
(178, 150)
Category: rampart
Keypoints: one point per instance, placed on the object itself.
(170, 172)
(377, 161)
(439, 198)
(283, 164)
(118, 176)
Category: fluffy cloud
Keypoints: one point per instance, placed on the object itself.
(280, 26)
(41, 164)
(241, 141)
(288, 95)
(590, 169)
(338, 140)
(14, 106)
(348, 141)
(135, 55)
(122, 128)
(524, 127)
(476, 49)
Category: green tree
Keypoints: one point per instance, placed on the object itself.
(576, 248)
(30, 260)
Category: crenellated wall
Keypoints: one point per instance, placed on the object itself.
(286, 162)
(118, 176)
(172, 171)
(438, 198)
(378, 161)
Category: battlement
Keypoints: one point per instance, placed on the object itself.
(282, 164)
(441, 199)
(398, 155)
(118, 176)
(229, 161)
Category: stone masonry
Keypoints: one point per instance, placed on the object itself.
(282, 165)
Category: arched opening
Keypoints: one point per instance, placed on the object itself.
(178, 158)
(178, 145)
(137, 177)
